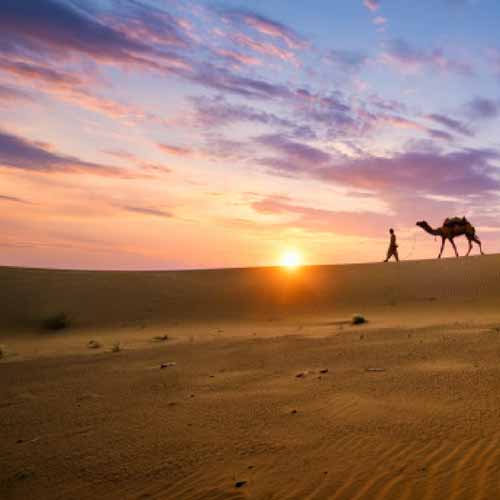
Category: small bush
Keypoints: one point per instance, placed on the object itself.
(358, 319)
(116, 347)
(56, 322)
(160, 338)
(93, 344)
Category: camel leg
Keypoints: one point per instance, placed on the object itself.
(454, 247)
(470, 246)
(442, 247)
(478, 241)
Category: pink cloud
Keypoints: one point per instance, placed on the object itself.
(321, 220)
(173, 150)
(267, 49)
(372, 5)
(238, 57)
(267, 27)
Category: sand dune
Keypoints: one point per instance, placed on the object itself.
(91, 423)
(96, 299)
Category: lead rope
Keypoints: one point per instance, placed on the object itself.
(413, 246)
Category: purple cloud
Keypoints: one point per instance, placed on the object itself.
(294, 152)
(405, 57)
(481, 108)
(222, 80)
(451, 124)
(217, 111)
(440, 134)
(420, 170)
(60, 29)
(347, 59)
(455, 173)
(18, 152)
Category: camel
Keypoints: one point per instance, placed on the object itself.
(450, 229)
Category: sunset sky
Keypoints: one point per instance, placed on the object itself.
(163, 134)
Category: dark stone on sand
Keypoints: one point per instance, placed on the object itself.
(167, 365)
(239, 484)
(324, 370)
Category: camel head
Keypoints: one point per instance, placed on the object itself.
(422, 223)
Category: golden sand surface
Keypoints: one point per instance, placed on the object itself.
(267, 390)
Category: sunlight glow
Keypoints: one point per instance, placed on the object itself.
(291, 259)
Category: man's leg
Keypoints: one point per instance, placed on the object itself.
(396, 255)
(389, 253)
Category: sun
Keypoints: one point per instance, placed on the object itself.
(291, 259)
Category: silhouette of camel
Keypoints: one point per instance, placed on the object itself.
(450, 229)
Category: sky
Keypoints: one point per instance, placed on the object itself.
(170, 134)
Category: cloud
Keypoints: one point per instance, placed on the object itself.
(440, 134)
(173, 150)
(320, 220)
(63, 29)
(148, 23)
(10, 94)
(402, 55)
(13, 199)
(294, 155)
(481, 108)
(450, 123)
(154, 168)
(265, 48)
(147, 167)
(147, 211)
(237, 57)
(217, 111)
(422, 169)
(20, 153)
(372, 5)
(68, 87)
(39, 72)
(347, 59)
(222, 80)
(463, 172)
(266, 26)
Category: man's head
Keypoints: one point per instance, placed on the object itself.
(391, 230)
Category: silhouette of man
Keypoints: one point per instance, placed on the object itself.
(393, 247)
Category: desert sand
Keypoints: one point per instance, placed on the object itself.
(267, 390)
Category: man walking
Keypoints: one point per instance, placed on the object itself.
(393, 247)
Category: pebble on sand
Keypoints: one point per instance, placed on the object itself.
(240, 484)
(93, 344)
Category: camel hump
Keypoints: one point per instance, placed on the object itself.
(456, 221)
